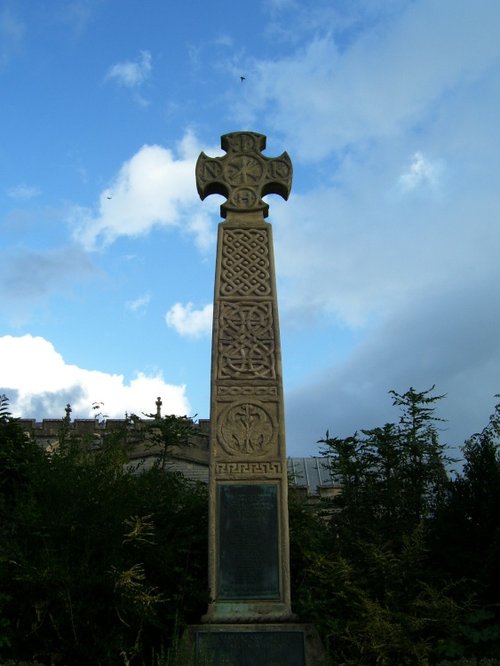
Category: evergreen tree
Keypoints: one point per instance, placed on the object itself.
(385, 608)
(466, 542)
(391, 477)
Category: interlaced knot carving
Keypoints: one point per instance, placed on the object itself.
(245, 263)
(246, 341)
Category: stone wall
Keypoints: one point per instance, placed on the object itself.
(309, 474)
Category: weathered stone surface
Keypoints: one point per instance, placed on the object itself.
(247, 440)
(265, 644)
(244, 175)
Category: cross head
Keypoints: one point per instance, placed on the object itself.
(243, 175)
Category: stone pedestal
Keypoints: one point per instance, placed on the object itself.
(256, 644)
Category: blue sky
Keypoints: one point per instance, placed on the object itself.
(387, 250)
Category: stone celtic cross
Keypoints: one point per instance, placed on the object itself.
(248, 532)
(244, 175)
(249, 614)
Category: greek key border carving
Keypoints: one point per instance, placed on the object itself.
(258, 469)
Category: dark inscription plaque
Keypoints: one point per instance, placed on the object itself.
(248, 565)
(240, 648)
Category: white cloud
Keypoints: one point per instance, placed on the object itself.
(189, 322)
(139, 305)
(281, 4)
(23, 192)
(154, 188)
(36, 378)
(448, 338)
(226, 41)
(12, 32)
(421, 172)
(325, 99)
(350, 245)
(201, 225)
(399, 106)
(75, 14)
(357, 252)
(132, 74)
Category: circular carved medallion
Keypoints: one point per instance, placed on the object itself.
(244, 197)
(246, 428)
(243, 170)
(278, 170)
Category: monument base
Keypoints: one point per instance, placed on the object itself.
(249, 612)
(286, 644)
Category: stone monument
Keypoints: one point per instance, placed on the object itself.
(249, 619)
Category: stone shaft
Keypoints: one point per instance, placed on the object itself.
(249, 570)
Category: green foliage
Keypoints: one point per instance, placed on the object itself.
(472, 661)
(165, 433)
(369, 578)
(105, 563)
(392, 476)
(17, 455)
(99, 563)
(466, 543)
(14, 662)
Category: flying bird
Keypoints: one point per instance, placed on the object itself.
(242, 78)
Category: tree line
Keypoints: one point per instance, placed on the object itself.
(403, 565)
(103, 562)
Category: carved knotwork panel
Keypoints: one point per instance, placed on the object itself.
(245, 263)
(248, 428)
(246, 341)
